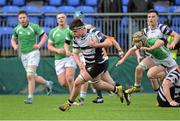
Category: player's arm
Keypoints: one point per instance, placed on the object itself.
(166, 89)
(54, 49)
(14, 43)
(176, 37)
(43, 38)
(116, 45)
(77, 59)
(157, 44)
(128, 54)
(66, 48)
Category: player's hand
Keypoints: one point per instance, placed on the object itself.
(68, 53)
(36, 46)
(174, 103)
(145, 48)
(121, 54)
(15, 47)
(60, 51)
(171, 45)
(120, 62)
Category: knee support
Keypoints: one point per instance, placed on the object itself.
(144, 66)
(31, 71)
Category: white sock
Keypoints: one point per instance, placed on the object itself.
(137, 85)
(30, 96)
(83, 94)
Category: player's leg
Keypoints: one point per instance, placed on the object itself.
(155, 74)
(81, 79)
(142, 66)
(70, 67)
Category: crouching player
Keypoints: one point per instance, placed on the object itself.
(169, 92)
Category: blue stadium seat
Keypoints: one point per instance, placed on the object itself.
(55, 2)
(66, 9)
(69, 19)
(91, 3)
(177, 2)
(174, 9)
(34, 19)
(49, 21)
(6, 37)
(12, 21)
(161, 8)
(48, 9)
(2, 2)
(10, 9)
(125, 2)
(125, 9)
(85, 9)
(18, 2)
(31, 9)
(162, 19)
(73, 2)
(88, 20)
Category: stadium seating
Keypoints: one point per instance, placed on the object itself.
(49, 21)
(55, 2)
(47, 30)
(161, 8)
(10, 9)
(66, 9)
(85, 9)
(2, 2)
(177, 2)
(34, 19)
(6, 37)
(125, 2)
(31, 9)
(174, 9)
(125, 9)
(12, 21)
(91, 3)
(18, 2)
(48, 9)
(73, 2)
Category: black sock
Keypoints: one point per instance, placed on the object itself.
(99, 93)
(156, 90)
(70, 102)
(115, 90)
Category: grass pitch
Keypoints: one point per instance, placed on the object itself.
(143, 107)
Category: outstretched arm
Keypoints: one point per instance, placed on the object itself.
(129, 53)
(14, 43)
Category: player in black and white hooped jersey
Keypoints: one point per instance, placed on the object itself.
(169, 92)
(91, 42)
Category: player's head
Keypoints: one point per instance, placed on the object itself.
(78, 28)
(139, 39)
(152, 17)
(61, 19)
(23, 17)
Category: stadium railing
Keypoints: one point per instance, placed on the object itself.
(119, 25)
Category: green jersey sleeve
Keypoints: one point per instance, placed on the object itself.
(38, 30)
(15, 35)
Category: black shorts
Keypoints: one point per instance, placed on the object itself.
(96, 69)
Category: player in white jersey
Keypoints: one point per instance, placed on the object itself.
(91, 44)
(169, 92)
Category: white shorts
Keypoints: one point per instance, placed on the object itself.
(31, 58)
(61, 64)
(169, 62)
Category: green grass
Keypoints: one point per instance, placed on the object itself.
(143, 107)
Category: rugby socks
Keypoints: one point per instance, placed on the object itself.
(83, 94)
(99, 93)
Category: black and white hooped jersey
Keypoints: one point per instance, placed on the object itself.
(160, 32)
(174, 77)
(91, 55)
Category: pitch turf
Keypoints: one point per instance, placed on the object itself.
(143, 107)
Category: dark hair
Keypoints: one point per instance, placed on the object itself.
(76, 24)
(153, 11)
(22, 12)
